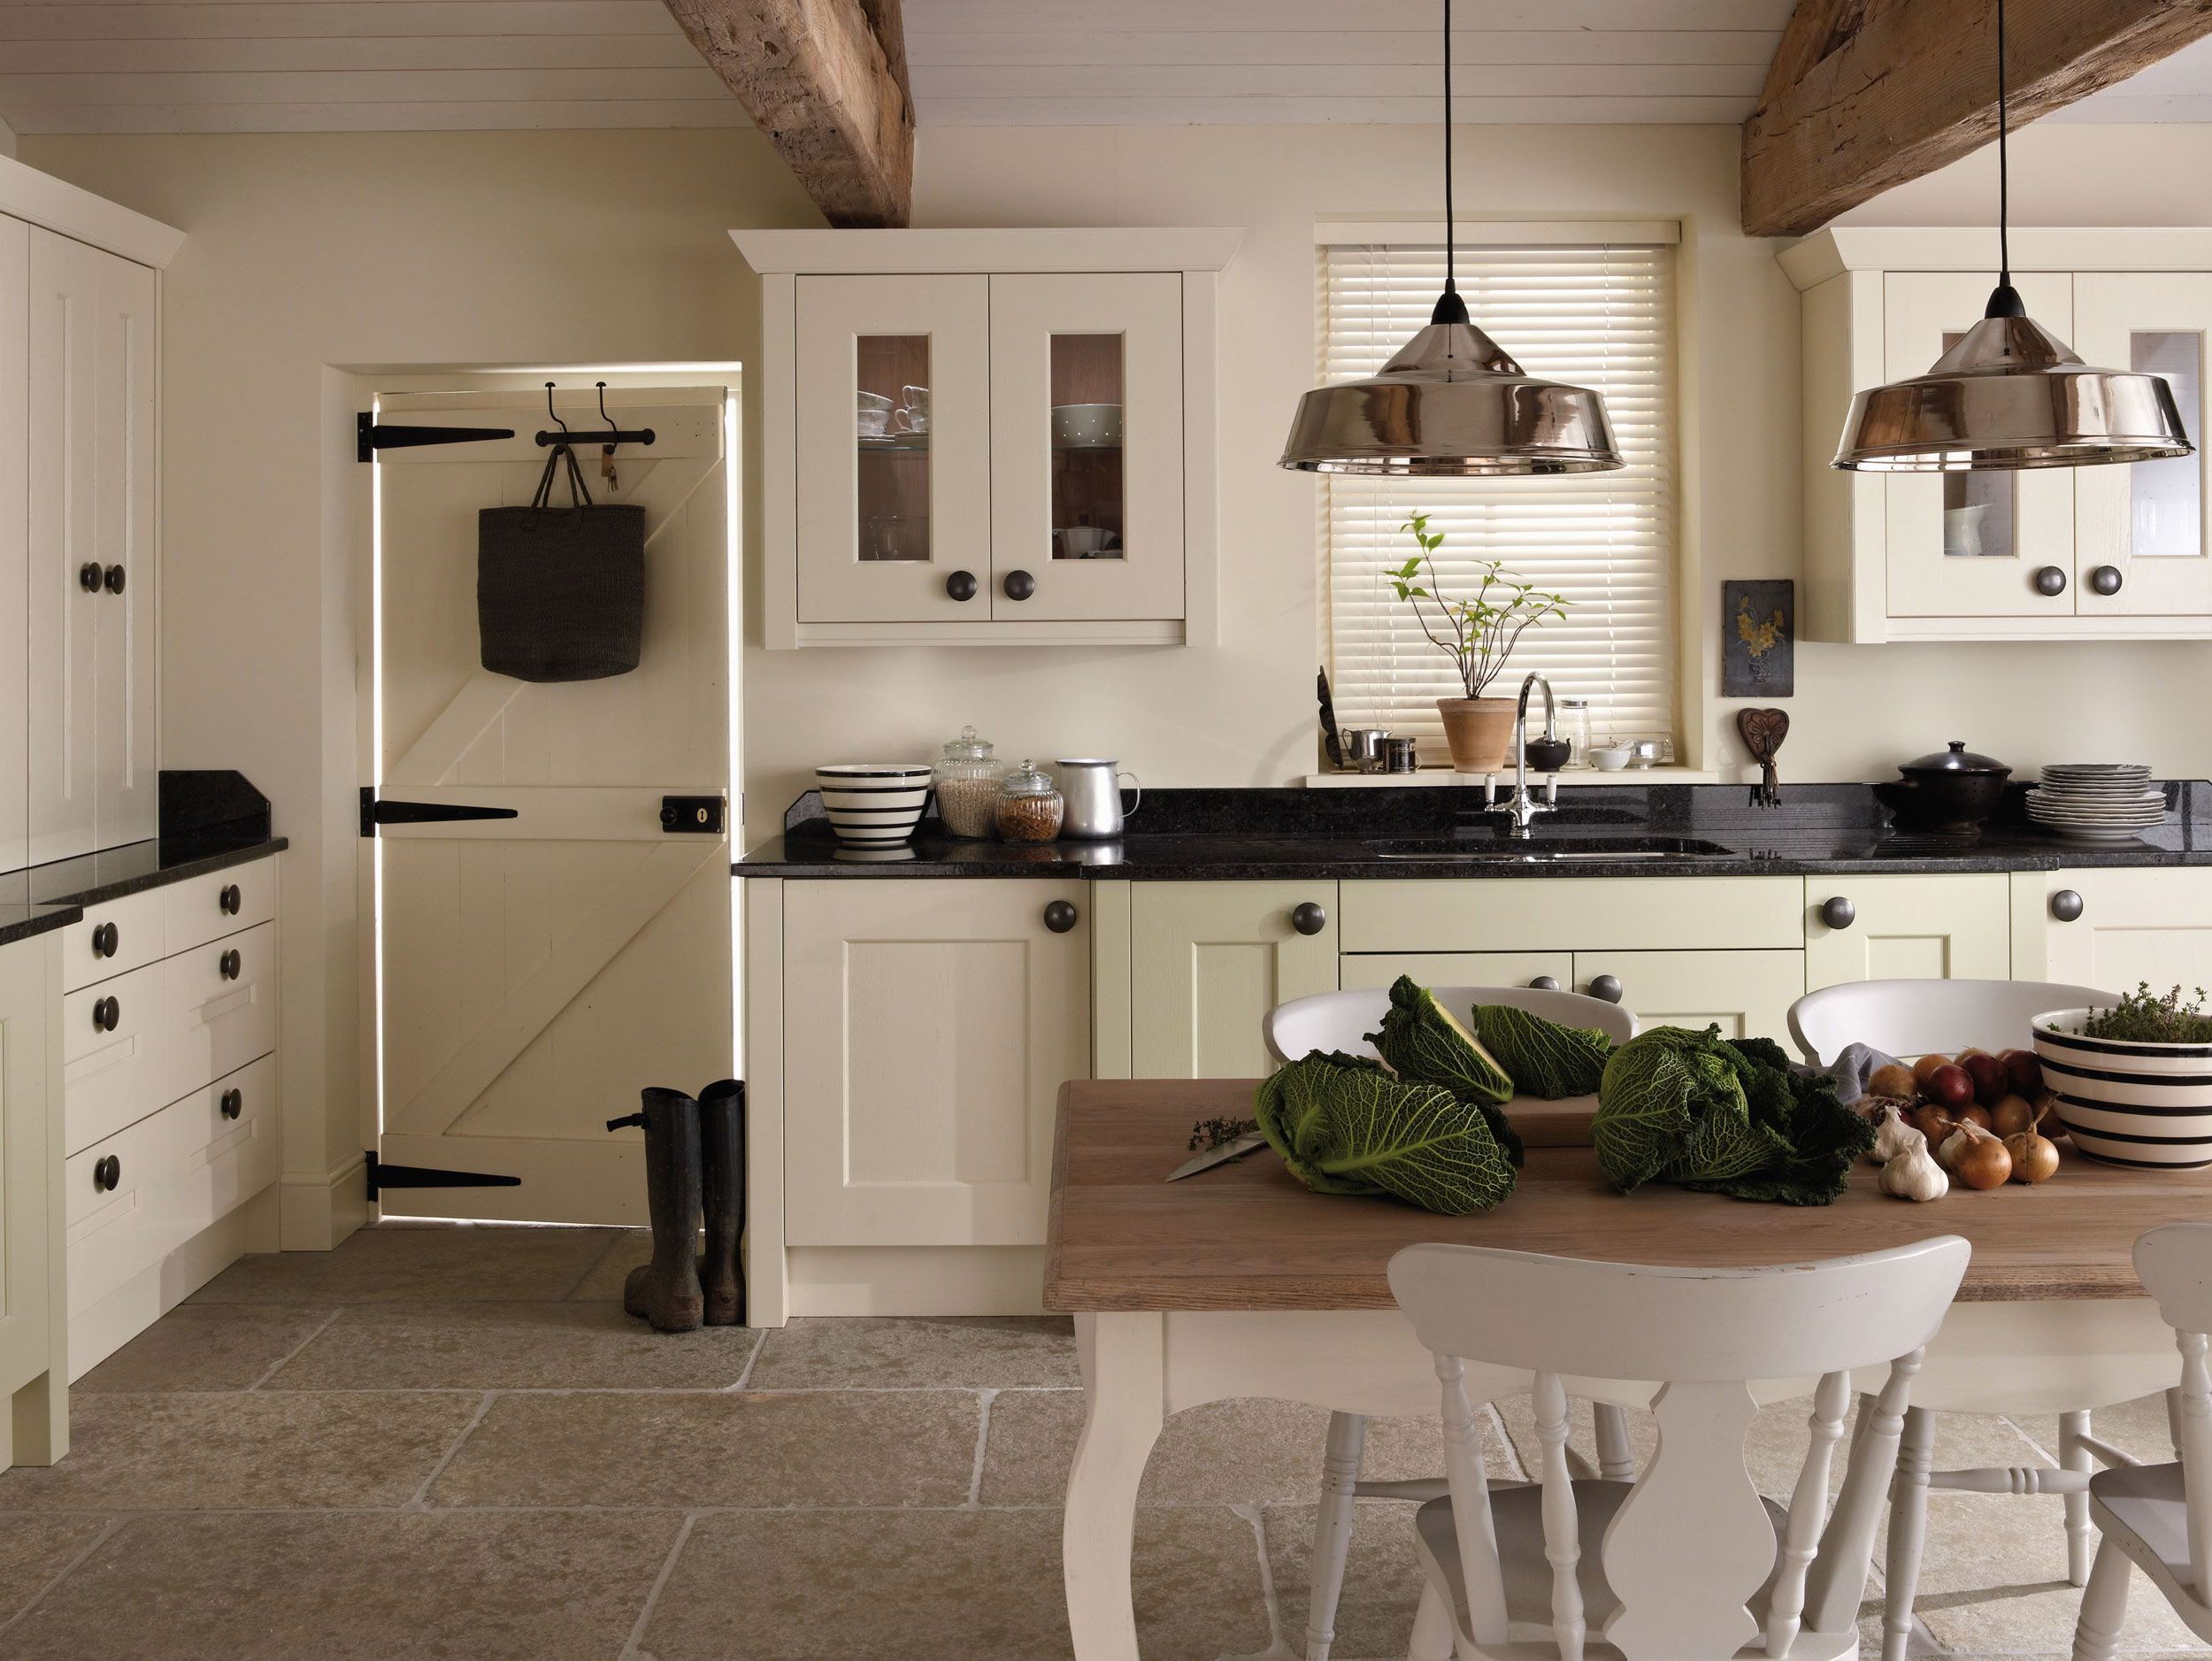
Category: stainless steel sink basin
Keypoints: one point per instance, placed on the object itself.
(1560, 851)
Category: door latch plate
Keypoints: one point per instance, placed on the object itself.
(692, 815)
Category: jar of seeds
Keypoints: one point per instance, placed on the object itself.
(1029, 805)
(966, 778)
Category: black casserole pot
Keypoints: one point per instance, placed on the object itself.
(1949, 793)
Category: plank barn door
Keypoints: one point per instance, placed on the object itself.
(535, 972)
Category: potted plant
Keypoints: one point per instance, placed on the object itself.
(2130, 1079)
(1478, 636)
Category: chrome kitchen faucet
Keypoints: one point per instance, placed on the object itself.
(1520, 808)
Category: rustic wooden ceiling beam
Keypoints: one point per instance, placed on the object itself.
(1865, 95)
(825, 80)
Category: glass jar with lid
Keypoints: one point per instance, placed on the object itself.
(1574, 727)
(1029, 805)
(966, 777)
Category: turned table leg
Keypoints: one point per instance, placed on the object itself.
(1123, 1358)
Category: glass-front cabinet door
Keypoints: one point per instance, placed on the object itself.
(2140, 545)
(1974, 544)
(894, 448)
(1087, 419)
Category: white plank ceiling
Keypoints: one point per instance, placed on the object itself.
(303, 65)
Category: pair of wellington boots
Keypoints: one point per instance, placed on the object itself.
(695, 1171)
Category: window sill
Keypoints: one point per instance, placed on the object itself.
(1573, 778)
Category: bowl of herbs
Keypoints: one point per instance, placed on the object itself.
(2133, 1082)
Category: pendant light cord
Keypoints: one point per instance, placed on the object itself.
(2005, 300)
(1450, 307)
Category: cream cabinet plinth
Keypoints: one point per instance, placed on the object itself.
(928, 1027)
(1209, 959)
(1910, 928)
(2134, 926)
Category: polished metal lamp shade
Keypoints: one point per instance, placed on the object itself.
(2010, 395)
(1450, 405)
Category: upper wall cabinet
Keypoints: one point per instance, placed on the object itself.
(2079, 553)
(988, 436)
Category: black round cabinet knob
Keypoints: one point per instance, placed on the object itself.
(1059, 917)
(114, 579)
(1839, 913)
(1019, 585)
(228, 900)
(88, 575)
(107, 1015)
(2050, 582)
(233, 1104)
(229, 963)
(2105, 579)
(961, 585)
(107, 1173)
(1544, 983)
(1308, 919)
(105, 941)
(1607, 987)
(2066, 905)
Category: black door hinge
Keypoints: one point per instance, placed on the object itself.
(383, 1176)
(697, 815)
(370, 435)
(375, 812)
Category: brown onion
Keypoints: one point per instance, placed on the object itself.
(2011, 1115)
(2034, 1158)
(1975, 1157)
(1976, 1115)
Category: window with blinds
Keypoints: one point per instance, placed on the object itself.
(1598, 316)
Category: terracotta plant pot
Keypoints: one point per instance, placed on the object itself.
(1479, 732)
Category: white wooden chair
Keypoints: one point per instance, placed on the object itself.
(1689, 1563)
(1340, 1020)
(2159, 1516)
(1909, 1019)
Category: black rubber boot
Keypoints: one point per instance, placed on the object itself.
(665, 1291)
(722, 1168)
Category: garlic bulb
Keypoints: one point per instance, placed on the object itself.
(1910, 1173)
(1893, 1135)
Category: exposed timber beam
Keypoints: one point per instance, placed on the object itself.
(1864, 95)
(825, 80)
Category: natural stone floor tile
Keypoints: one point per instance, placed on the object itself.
(35, 1550)
(242, 1451)
(357, 1587)
(627, 1248)
(891, 1352)
(837, 1449)
(467, 1261)
(511, 1347)
(206, 1346)
(934, 1586)
(1382, 1581)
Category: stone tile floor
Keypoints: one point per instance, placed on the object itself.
(449, 1442)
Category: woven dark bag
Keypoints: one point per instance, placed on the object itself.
(560, 592)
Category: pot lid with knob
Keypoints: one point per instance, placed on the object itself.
(1955, 759)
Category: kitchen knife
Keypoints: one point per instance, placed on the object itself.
(1235, 1147)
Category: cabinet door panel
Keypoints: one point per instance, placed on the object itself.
(1087, 445)
(1749, 993)
(893, 422)
(15, 569)
(929, 1026)
(2135, 927)
(1969, 544)
(1208, 960)
(123, 526)
(2146, 520)
(1456, 968)
(1910, 928)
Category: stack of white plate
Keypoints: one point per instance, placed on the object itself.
(2097, 800)
(873, 803)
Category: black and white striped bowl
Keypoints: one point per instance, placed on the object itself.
(2125, 1102)
(873, 803)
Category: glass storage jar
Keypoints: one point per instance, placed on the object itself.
(966, 778)
(1029, 805)
(1574, 727)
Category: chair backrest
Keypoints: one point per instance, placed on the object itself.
(2174, 1262)
(1692, 1542)
(1919, 1018)
(1342, 1020)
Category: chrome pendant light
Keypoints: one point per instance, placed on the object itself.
(1451, 404)
(2011, 394)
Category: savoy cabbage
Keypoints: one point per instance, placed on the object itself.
(1345, 1125)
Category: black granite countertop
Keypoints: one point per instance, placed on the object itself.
(1326, 836)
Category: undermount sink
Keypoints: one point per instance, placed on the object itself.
(1538, 851)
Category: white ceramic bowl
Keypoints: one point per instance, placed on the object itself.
(873, 803)
(2128, 1102)
(1609, 759)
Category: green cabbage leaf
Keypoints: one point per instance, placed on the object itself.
(1423, 1042)
(1345, 1125)
(1544, 1057)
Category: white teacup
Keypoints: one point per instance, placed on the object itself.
(1083, 542)
(872, 415)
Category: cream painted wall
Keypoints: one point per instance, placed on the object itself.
(302, 253)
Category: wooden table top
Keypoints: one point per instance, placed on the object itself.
(1248, 1236)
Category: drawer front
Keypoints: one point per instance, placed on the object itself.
(1378, 971)
(112, 1076)
(196, 911)
(1567, 913)
(174, 1173)
(225, 996)
(135, 924)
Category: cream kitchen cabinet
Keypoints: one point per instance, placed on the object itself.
(2095, 553)
(988, 436)
(33, 1333)
(1924, 927)
(1207, 960)
(2114, 929)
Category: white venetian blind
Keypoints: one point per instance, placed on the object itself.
(1595, 315)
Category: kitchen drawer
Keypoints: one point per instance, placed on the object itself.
(224, 999)
(1567, 913)
(114, 1074)
(197, 909)
(175, 1172)
(137, 921)
(1457, 968)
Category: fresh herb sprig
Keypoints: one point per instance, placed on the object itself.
(2141, 1017)
(1209, 1134)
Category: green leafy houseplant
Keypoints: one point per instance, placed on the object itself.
(2140, 1018)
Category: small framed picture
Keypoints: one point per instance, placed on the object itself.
(1758, 632)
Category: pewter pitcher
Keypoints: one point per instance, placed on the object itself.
(1092, 790)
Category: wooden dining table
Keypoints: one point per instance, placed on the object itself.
(1240, 1282)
